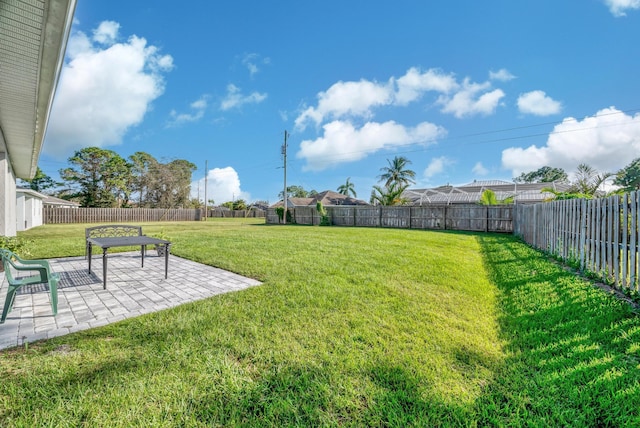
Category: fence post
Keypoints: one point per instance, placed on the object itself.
(486, 218)
(445, 217)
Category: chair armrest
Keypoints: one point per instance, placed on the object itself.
(43, 271)
(27, 264)
(43, 263)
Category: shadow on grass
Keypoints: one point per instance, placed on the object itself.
(573, 351)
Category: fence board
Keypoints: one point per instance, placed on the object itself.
(220, 213)
(602, 234)
(616, 234)
(343, 216)
(116, 215)
(427, 217)
(469, 217)
(634, 200)
(583, 232)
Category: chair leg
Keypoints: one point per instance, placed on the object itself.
(8, 303)
(53, 290)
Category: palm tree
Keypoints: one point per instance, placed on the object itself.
(347, 188)
(588, 180)
(586, 185)
(397, 172)
(488, 197)
(389, 195)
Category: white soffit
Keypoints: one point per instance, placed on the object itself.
(33, 38)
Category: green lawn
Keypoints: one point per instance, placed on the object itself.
(352, 327)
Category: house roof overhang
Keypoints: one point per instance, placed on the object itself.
(33, 38)
(31, 193)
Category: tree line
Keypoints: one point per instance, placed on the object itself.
(101, 178)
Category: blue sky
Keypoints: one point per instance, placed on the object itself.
(466, 90)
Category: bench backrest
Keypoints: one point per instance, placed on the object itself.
(112, 230)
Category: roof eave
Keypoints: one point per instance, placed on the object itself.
(56, 34)
(30, 98)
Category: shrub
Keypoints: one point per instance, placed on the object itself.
(324, 218)
(21, 247)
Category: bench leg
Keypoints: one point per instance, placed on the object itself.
(104, 268)
(166, 260)
(89, 251)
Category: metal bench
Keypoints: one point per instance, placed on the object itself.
(43, 275)
(110, 231)
(119, 235)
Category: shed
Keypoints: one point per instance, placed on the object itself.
(28, 209)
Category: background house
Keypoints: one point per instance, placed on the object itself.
(523, 193)
(53, 202)
(33, 39)
(328, 198)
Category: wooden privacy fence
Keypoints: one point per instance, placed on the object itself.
(470, 217)
(117, 215)
(601, 235)
(217, 213)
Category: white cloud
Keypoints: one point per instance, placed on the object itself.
(538, 103)
(619, 7)
(106, 33)
(342, 142)
(502, 75)
(104, 90)
(198, 108)
(252, 61)
(414, 83)
(355, 99)
(606, 141)
(235, 98)
(223, 185)
(472, 99)
(348, 100)
(437, 165)
(479, 169)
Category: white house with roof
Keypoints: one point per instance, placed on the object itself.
(328, 198)
(33, 39)
(53, 202)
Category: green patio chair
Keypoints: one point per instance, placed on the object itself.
(43, 274)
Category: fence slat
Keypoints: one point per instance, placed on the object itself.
(116, 215)
(616, 239)
(602, 234)
(470, 217)
(634, 200)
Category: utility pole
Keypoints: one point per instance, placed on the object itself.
(205, 189)
(284, 199)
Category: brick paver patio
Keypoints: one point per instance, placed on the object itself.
(131, 291)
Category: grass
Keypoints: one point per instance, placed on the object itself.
(352, 326)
